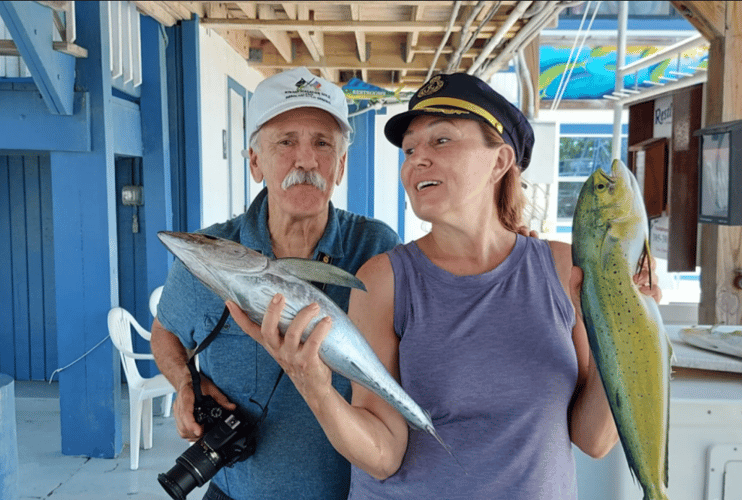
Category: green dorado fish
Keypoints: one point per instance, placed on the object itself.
(627, 337)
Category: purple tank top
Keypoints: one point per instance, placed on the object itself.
(491, 357)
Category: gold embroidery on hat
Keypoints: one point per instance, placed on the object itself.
(432, 87)
(448, 111)
(459, 103)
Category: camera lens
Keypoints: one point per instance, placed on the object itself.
(195, 467)
(173, 486)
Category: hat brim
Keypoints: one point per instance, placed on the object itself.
(397, 125)
(343, 123)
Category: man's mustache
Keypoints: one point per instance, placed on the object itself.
(298, 176)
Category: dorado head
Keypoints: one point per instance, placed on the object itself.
(611, 195)
(214, 261)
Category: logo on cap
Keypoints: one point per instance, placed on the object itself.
(312, 83)
(433, 86)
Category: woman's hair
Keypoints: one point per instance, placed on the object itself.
(510, 200)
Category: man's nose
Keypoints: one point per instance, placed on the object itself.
(306, 156)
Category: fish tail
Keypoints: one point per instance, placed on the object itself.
(431, 430)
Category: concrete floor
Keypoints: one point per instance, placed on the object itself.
(43, 472)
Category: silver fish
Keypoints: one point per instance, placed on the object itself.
(251, 279)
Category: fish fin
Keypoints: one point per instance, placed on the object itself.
(312, 270)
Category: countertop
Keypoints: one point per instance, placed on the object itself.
(688, 356)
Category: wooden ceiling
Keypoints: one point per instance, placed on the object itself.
(384, 43)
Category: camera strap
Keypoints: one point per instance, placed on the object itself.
(196, 376)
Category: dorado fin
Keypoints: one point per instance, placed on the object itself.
(312, 270)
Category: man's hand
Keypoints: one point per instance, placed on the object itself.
(183, 407)
(527, 232)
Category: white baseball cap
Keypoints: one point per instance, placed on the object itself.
(295, 88)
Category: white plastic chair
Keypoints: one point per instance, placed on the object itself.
(154, 299)
(141, 389)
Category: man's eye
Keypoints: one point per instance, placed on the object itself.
(409, 151)
(442, 140)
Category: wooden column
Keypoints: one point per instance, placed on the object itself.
(721, 246)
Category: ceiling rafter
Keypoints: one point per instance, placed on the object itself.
(385, 43)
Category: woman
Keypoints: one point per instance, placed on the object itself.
(473, 318)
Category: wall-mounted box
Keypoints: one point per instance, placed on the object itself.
(720, 174)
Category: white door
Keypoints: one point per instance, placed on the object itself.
(237, 164)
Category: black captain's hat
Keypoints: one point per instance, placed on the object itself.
(460, 95)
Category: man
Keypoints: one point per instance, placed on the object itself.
(299, 135)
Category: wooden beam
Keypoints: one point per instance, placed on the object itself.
(239, 40)
(355, 15)
(706, 17)
(339, 57)
(176, 10)
(720, 249)
(335, 26)
(248, 8)
(59, 6)
(31, 27)
(156, 12)
(279, 38)
(195, 8)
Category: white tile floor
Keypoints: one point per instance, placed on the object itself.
(43, 472)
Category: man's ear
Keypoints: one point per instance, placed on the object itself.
(341, 167)
(255, 171)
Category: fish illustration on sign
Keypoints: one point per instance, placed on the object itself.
(358, 90)
(627, 337)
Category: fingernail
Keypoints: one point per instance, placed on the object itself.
(276, 298)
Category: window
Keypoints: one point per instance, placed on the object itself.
(580, 156)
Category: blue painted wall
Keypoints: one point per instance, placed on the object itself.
(360, 164)
(27, 305)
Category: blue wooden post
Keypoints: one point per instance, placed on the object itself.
(360, 168)
(156, 151)
(9, 440)
(192, 121)
(85, 242)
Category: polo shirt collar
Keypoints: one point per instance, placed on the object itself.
(257, 235)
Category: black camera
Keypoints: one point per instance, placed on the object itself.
(229, 437)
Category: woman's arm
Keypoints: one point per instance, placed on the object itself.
(591, 424)
(368, 432)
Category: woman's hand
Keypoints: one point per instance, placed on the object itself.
(647, 276)
(299, 360)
